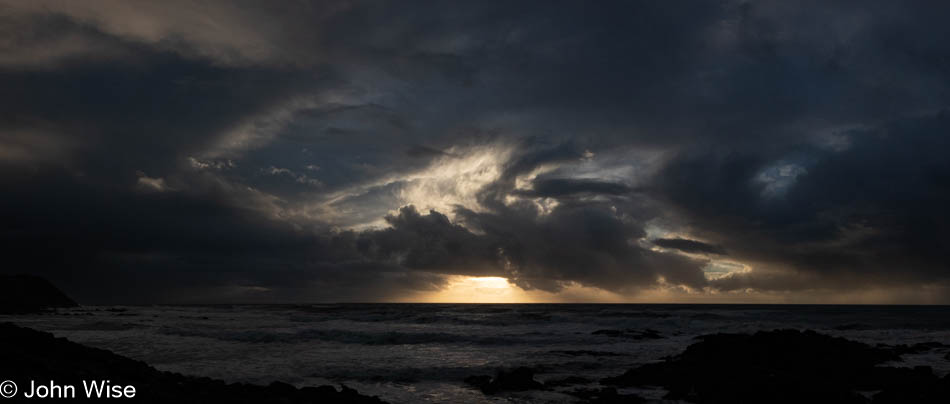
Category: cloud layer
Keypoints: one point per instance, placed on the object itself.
(354, 151)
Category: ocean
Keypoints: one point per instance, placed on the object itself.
(421, 353)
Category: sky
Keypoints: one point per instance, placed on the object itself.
(361, 151)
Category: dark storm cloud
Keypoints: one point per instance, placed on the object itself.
(430, 242)
(599, 252)
(872, 213)
(245, 150)
(687, 245)
(562, 187)
(530, 244)
(528, 249)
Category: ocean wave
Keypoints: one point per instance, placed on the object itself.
(483, 317)
(343, 336)
(405, 374)
(104, 326)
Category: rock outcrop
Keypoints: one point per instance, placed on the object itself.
(21, 294)
(519, 379)
(787, 366)
(27, 354)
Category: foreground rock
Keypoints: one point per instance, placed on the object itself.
(787, 366)
(519, 379)
(522, 379)
(33, 355)
(606, 395)
(21, 294)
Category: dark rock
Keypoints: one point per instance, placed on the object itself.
(784, 366)
(917, 385)
(20, 294)
(891, 377)
(566, 381)
(480, 382)
(586, 353)
(282, 388)
(607, 395)
(519, 379)
(33, 355)
(630, 334)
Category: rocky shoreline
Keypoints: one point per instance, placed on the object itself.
(29, 355)
(780, 366)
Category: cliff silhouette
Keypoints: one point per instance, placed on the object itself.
(20, 294)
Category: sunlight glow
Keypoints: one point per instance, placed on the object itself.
(454, 180)
(491, 289)
(470, 289)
